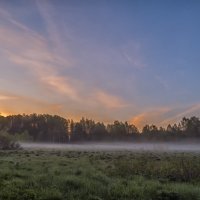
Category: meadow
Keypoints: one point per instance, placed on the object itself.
(57, 174)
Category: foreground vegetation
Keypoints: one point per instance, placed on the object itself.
(7, 142)
(61, 175)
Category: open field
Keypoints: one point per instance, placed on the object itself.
(57, 174)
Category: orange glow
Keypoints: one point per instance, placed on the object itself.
(5, 114)
(153, 116)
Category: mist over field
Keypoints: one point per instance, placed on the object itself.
(119, 146)
(99, 100)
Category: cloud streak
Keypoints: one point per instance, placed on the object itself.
(6, 97)
(110, 101)
(152, 116)
(31, 51)
(63, 86)
(165, 115)
(188, 111)
(132, 53)
(27, 49)
(71, 67)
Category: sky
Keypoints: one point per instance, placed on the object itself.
(135, 61)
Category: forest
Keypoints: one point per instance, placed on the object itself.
(56, 129)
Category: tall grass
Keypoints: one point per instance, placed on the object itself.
(56, 175)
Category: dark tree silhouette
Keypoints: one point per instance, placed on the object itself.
(53, 128)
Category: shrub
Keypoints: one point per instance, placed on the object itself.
(7, 142)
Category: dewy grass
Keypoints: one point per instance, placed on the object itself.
(60, 175)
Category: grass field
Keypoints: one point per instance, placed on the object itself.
(63, 175)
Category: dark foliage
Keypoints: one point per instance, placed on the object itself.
(7, 142)
(48, 128)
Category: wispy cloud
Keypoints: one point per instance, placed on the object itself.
(46, 11)
(132, 53)
(152, 116)
(165, 115)
(71, 71)
(63, 86)
(31, 51)
(7, 97)
(6, 16)
(43, 68)
(109, 100)
(187, 111)
(27, 49)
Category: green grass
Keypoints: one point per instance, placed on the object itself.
(63, 175)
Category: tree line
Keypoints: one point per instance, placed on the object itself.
(55, 129)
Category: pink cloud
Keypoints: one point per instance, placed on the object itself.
(109, 100)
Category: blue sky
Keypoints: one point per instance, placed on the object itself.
(128, 60)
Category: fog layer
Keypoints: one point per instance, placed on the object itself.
(185, 147)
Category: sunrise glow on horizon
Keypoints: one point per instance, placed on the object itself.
(135, 61)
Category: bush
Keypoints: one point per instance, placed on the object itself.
(7, 142)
